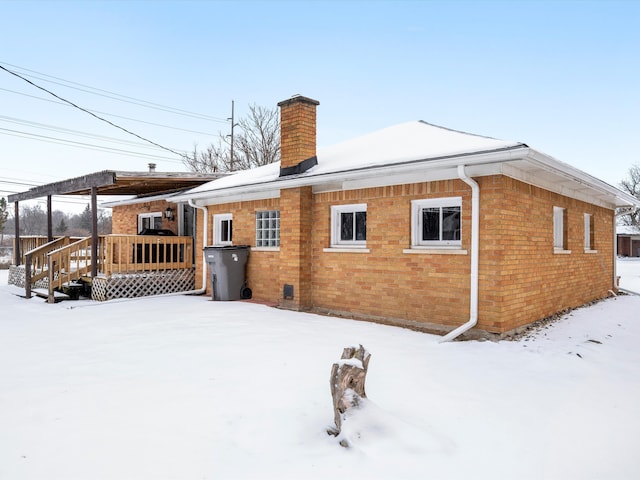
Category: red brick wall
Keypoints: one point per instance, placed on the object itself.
(520, 279)
(263, 265)
(125, 218)
(387, 282)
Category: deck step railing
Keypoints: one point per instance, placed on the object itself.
(72, 262)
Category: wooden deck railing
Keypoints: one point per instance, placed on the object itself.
(32, 242)
(64, 260)
(72, 262)
(36, 260)
(145, 253)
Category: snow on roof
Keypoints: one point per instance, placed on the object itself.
(417, 140)
(627, 230)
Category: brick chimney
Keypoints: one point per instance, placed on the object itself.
(297, 130)
(297, 154)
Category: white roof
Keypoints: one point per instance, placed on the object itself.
(401, 143)
(414, 152)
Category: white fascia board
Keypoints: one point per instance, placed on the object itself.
(562, 178)
(618, 197)
(228, 197)
(137, 200)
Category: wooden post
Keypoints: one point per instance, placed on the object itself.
(49, 220)
(51, 266)
(27, 275)
(94, 232)
(17, 254)
(347, 383)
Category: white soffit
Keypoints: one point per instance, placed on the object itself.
(555, 182)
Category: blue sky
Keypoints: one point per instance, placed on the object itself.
(561, 76)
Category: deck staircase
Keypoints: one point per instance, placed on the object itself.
(65, 263)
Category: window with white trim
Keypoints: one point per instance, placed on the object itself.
(349, 225)
(559, 230)
(222, 229)
(149, 220)
(436, 222)
(268, 228)
(588, 231)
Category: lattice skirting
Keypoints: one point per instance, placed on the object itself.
(16, 277)
(144, 284)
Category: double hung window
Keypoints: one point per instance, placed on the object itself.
(349, 225)
(436, 222)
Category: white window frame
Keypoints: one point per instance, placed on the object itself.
(218, 220)
(151, 216)
(589, 234)
(559, 230)
(416, 222)
(267, 236)
(336, 211)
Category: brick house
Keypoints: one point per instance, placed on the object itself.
(415, 225)
(628, 238)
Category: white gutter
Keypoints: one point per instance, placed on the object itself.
(205, 229)
(475, 244)
(274, 184)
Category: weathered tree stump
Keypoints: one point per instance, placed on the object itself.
(347, 383)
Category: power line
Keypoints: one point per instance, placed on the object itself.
(110, 114)
(53, 128)
(114, 96)
(90, 113)
(60, 141)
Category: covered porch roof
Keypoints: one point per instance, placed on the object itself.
(107, 182)
(113, 182)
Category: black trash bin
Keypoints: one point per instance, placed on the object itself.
(227, 266)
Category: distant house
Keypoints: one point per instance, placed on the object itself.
(415, 225)
(628, 241)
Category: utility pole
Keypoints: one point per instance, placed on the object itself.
(232, 125)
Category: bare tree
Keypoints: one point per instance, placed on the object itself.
(257, 143)
(631, 185)
(33, 220)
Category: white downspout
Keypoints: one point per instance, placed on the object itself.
(475, 245)
(205, 229)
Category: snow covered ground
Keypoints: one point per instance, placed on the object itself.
(628, 269)
(185, 388)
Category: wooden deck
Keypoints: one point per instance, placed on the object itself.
(66, 260)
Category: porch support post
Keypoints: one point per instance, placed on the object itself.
(94, 232)
(49, 220)
(17, 254)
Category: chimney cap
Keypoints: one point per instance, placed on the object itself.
(152, 167)
(298, 99)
